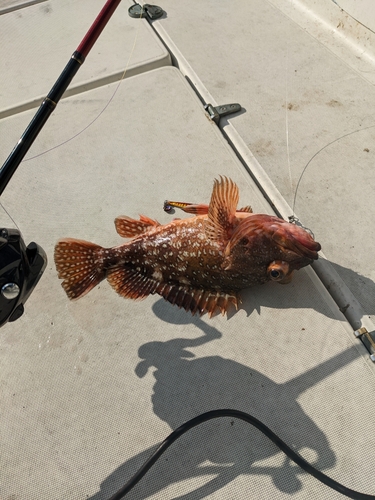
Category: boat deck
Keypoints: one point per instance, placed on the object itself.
(91, 387)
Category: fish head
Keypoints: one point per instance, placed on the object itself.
(270, 248)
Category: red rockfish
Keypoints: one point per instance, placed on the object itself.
(199, 263)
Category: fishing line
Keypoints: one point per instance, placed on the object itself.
(292, 217)
(106, 105)
(320, 150)
(10, 217)
(286, 110)
(93, 121)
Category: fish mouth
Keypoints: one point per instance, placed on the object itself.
(298, 240)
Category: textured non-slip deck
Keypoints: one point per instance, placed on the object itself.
(38, 40)
(90, 388)
(308, 117)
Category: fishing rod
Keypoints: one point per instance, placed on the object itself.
(50, 102)
(21, 267)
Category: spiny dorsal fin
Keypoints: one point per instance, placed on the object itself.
(246, 209)
(222, 210)
(128, 227)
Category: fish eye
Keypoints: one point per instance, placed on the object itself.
(244, 241)
(278, 271)
(276, 274)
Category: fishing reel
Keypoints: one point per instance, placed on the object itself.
(21, 267)
(20, 270)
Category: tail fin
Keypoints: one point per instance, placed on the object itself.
(80, 264)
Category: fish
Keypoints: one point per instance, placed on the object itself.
(199, 263)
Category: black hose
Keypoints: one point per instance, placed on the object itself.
(204, 417)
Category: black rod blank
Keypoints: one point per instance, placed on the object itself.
(50, 102)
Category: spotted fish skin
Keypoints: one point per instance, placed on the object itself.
(199, 263)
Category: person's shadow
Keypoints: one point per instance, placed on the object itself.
(186, 386)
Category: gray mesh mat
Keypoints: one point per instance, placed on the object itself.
(89, 388)
(38, 40)
(304, 106)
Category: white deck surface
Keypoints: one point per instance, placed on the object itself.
(303, 104)
(37, 42)
(90, 388)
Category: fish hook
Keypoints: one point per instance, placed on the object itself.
(295, 220)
